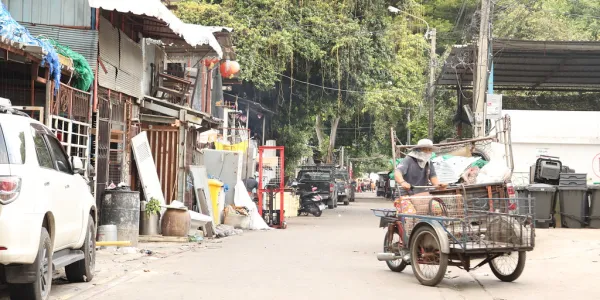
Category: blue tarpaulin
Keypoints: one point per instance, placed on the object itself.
(12, 30)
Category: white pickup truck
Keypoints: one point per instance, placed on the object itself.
(47, 213)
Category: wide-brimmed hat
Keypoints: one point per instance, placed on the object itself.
(424, 144)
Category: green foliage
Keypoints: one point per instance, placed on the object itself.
(288, 135)
(547, 20)
(335, 46)
(365, 65)
(153, 206)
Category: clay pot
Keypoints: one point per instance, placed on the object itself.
(176, 222)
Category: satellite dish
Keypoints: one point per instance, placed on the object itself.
(469, 113)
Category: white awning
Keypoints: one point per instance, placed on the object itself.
(194, 35)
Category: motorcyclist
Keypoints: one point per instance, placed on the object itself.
(417, 170)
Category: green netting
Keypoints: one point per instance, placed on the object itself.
(84, 76)
(479, 163)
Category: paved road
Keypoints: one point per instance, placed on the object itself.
(333, 257)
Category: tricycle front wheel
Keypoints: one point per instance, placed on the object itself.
(509, 266)
(428, 262)
(392, 243)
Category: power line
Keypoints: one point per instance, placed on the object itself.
(340, 90)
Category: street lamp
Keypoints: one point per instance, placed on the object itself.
(396, 10)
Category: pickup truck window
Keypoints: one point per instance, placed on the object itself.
(318, 176)
(13, 146)
(41, 149)
(341, 176)
(3, 150)
(62, 161)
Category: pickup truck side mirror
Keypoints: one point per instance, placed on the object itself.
(294, 184)
(77, 165)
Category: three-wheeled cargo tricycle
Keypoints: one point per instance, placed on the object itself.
(454, 227)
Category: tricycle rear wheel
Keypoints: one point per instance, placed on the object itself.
(426, 255)
(507, 267)
(392, 244)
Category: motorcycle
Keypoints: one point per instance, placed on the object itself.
(310, 202)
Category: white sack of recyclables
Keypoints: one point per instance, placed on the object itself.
(494, 171)
(243, 199)
(450, 170)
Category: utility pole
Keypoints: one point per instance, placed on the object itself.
(481, 75)
(342, 157)
(392, 136)
(408, 137)
(431, 89)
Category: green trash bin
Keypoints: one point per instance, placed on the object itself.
(544, 195)
(574, 207)
(594, 191)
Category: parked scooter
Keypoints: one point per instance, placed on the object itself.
(310, 202)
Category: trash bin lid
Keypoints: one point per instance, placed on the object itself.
(214, 182)
(541, 187)
(572, 188)
(520, 187)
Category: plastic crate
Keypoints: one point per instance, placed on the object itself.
(573, 179)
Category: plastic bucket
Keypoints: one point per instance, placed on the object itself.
(107, 233)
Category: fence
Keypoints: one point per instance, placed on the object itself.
(71, 103)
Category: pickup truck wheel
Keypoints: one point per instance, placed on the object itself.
(83, 270)
(40, 288)
(330, 204)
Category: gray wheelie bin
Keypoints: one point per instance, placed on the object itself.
(521, 191)
(544, 195)
(574, 207)
(594, 191)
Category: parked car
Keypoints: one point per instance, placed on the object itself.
(321, 177)
(342, 181)
(47, 213)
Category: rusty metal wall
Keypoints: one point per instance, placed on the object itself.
(52, 12)
(164, 141)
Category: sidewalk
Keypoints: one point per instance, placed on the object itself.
(112, 264)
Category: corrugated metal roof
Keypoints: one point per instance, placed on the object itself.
(82, 41)
(194, 35)
(50, 12)
(541, 65)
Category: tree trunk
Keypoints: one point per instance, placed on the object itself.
(319, 129)
(332, 138)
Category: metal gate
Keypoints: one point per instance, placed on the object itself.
(102, 146)
(70, 120)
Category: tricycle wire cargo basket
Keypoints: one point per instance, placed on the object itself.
(427, 231)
